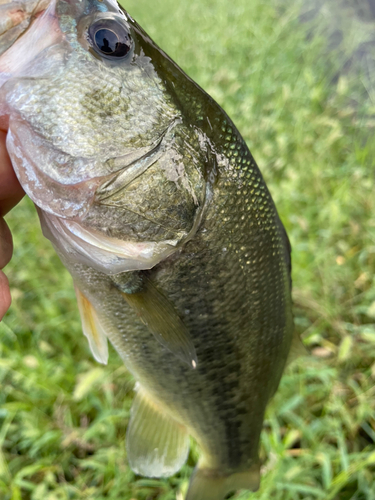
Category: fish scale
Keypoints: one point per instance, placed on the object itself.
(155, 205)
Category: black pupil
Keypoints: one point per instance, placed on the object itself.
(110, 38)
(107, 41)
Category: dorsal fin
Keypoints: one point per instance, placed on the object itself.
(297, 349)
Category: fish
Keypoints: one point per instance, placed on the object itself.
(155, 205)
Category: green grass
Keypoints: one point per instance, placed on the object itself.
(305, 104)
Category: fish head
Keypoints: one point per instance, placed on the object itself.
(98, 136)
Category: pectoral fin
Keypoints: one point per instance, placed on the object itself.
(157, 445)
(92, 328)
(162, 319)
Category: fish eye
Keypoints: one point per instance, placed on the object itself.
(110, 38)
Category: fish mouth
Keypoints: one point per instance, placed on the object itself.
(60, 195)
(75, 242)
(62, 207)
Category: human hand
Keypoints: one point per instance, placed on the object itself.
(11, 193)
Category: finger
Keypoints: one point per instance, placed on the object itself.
(11, 191)
(6, 244)
(5, 298)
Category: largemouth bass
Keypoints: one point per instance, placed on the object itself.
(155, 205)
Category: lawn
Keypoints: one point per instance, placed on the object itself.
(300, 86)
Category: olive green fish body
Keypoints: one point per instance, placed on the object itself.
(230, 285)
(158, 210)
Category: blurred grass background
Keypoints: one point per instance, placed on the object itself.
(298, 80)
